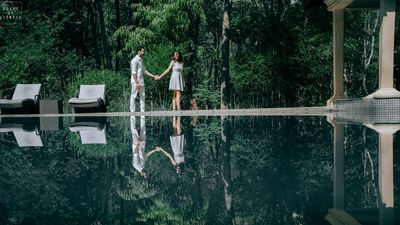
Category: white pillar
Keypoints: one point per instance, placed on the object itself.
(386, 51)
(338, 28)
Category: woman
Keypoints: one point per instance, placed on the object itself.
(177, 145)
(176, 81)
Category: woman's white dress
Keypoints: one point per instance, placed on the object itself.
(177, 144)
(176, 81)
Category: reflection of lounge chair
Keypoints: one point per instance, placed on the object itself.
(24, 100)
(25, 130)
(91, 99)
(91, 130)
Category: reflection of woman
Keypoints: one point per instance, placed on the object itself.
(138, 146)
(176, 81)
(177, 145)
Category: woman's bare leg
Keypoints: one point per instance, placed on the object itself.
(173, 100)
(178, 100)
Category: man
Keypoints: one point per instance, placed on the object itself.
(138, 146)
(137, 81)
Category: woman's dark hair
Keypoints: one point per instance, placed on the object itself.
(139, 49)
(179, 59)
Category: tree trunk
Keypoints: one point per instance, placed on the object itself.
(105, 48)
(369, 44)
(226, 136)
(193, 34)
(117, 25)
(226, 79)
(93, 25)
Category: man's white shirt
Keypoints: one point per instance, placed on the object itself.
(138, 69)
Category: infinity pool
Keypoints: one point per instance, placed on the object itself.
(193, 170)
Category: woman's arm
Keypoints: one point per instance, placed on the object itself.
(151, 152)
(168, 155)
(168, 69)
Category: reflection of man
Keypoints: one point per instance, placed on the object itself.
(138, 71)
(138, 146)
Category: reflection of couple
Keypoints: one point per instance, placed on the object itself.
(139, 156)
(138, 70)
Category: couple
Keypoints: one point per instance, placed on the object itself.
(139, 156)
(138, 70)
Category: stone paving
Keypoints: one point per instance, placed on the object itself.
(367, 111)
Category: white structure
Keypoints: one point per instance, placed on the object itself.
(386, 46)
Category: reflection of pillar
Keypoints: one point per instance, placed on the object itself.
(337, 56)
(338, 215)
(338, 160)
(386, 178)
(386, 131)
(386, 168)
(386, 51)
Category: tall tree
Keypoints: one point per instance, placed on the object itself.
(117, 24)
(226, 173)
(103, 35)
(226, 79)
(193, 34)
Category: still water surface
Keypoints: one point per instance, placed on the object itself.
(185, 170)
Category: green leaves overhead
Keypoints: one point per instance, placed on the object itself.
(159, 22)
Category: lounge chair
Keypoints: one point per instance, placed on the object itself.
(25, 130)
(91, 99)
(24, 100)
(92, 130)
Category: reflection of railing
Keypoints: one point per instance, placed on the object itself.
(385, 213)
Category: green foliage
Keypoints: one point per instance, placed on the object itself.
(162, 213)
(253, 76)
(362, 50)
(30, 54)
(313, 66)
(158, 22)
(206, 97)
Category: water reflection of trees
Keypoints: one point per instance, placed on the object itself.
(267, 171)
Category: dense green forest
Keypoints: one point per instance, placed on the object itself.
(263, 54)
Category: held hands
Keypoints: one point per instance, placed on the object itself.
(157, 77)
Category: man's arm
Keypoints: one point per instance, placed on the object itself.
(149, 74)
(134, 68)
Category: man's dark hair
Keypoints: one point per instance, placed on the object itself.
(139, 49)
